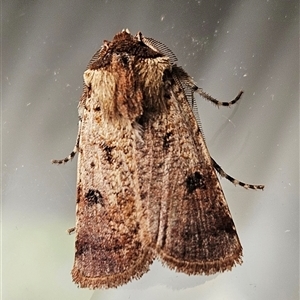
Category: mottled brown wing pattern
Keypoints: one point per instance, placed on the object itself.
(109, 245)
(146, 186)
(188, 218)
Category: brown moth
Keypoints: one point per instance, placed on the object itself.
(147, 186)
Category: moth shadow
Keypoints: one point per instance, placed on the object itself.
(160, 275)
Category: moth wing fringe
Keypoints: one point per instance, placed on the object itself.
(201, 267)
(113, 281)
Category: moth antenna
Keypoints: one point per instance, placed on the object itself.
(157, 46)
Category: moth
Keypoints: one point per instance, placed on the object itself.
(147, 186)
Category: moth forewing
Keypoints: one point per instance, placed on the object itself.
(109, 246)
(187, 215)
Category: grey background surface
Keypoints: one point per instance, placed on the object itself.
(226, 46)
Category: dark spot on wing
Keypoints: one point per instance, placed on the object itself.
(195, 181)
(108, 151)
(94, 197)
(167, 140)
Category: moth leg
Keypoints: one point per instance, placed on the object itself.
(215, 101)
(73, 153)
(235, 181)
(71, 230)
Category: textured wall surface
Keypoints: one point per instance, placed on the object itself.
(226, 46)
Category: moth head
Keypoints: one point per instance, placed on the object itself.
(126, 75)
(127, 45)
